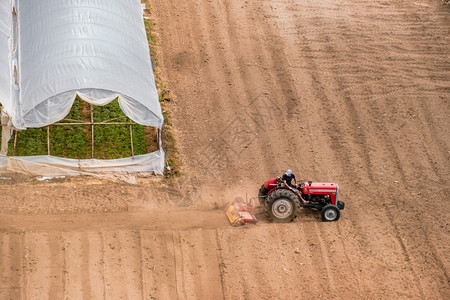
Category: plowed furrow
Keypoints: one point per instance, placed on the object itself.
(11, 266)
(159, 265)
(198, 273)
(122, 264)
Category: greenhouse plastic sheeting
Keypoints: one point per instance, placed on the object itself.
(56, 166)
(5, 57)
(53, 50)
(99, 47)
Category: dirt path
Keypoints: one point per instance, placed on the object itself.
(355, 93)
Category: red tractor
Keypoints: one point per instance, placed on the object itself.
(282, 203)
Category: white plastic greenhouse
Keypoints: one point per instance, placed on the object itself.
(55, 50)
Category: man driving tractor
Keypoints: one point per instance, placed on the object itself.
(287, 178)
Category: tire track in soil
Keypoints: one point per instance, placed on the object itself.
(315, 285)
(141, 264)
(242, 271)
(197, 268)
(83, 265)
(159, 265)
(57, 264)
(220, 262)
(179, 266)
(73, 284)
(332, 253)
(122, 263)
(438, 160)
(24, 268)
(327, 259)
(274, 262)
(284, 265)
(94, 260)
(405, 252)
(318, 258)
(343, 249)
(44, 265)
(11, 266)
(443, 293)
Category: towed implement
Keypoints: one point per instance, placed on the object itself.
(240, 212)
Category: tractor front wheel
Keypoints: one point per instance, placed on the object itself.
(330, 213)
(282, 206)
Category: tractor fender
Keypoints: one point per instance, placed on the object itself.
(278, 188)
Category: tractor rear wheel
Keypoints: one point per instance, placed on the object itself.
(330, 213)
(282, 206)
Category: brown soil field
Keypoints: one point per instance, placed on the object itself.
(354, 92)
